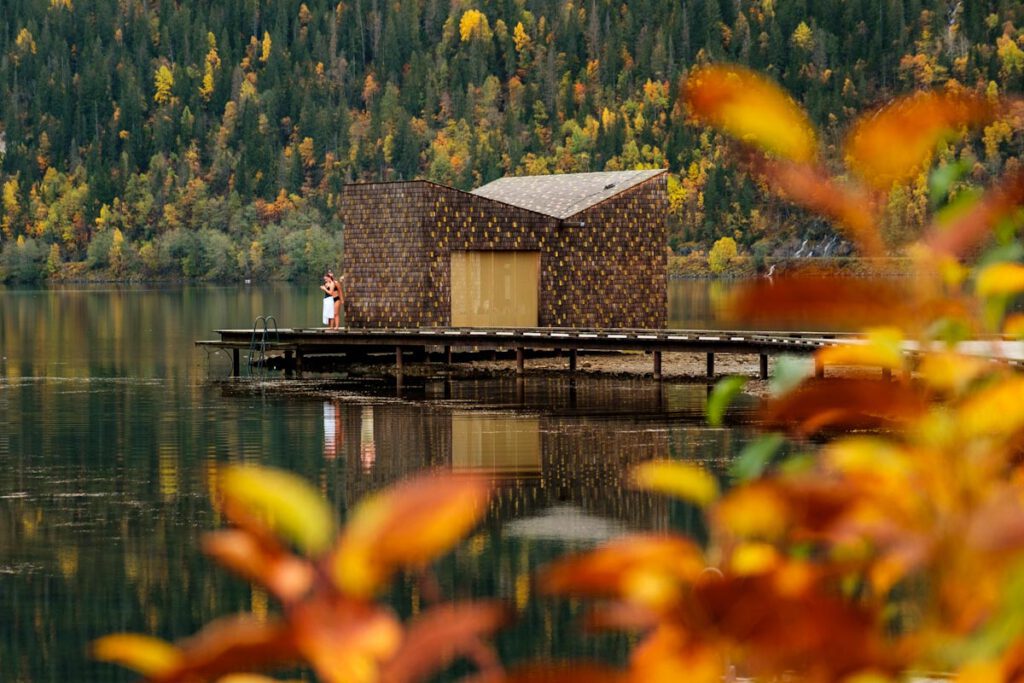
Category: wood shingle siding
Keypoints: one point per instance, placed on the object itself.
(607, 272)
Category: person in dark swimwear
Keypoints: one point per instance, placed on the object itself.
(328, 308)
(339, 299)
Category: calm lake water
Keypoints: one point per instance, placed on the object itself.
(113, 423)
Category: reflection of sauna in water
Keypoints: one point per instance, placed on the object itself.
(367, 446)
(563, 473)
(561, 477)
(499, 445)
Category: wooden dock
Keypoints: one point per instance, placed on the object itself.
(293, 344)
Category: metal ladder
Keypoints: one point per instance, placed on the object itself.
(257, 364)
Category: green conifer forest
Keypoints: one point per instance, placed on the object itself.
(209, 140)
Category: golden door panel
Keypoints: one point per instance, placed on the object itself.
(495, 288)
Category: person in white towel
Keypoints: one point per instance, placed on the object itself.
(328, 288)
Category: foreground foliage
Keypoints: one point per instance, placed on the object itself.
(883, 552)
(875, 530)
(328, 618)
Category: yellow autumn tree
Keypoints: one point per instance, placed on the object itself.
(307, 152)
(212, 64)
(25, 43)
(265, 47)
(803, 36)
(474, 26)
(163, 82)
(11, 205)
(1011, 57)
(521, 38)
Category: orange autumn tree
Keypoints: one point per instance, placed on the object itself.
(893, 541)
(328, 618)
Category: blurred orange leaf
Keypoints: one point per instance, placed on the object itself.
(1000, 279)
(147, 655)
(345, 640)
(228, 645)
(998, 525)
(669, 653)
(644, 569)
(768, 509)
(437, 636)
(812, 188)
(816, 298)
(570, 672)
(261, 560)
(406, 525)
(682, 480)
(752, 109)
(779, 620)
(892, 145)
(842, 403)
(285, 502)
(970, 230)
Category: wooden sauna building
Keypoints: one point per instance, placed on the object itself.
(572, 250)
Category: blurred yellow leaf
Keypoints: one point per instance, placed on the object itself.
(145, 654)
(753, 558)
(751, 108)
(881, 349)
(285, 502)
(892, 145)
(1014, 326)
(406, 525)
(981, 672)
(997, 410)
(950, 372)
(679, 479)
(753, 511)
(868, 456)
(1000, 279)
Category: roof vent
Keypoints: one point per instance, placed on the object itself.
(609, 186)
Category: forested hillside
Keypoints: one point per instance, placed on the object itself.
(210, 139)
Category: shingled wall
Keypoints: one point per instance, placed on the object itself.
(399, 237)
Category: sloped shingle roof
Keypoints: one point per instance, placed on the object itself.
(564, 195)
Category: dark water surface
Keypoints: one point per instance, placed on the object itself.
(112, 423)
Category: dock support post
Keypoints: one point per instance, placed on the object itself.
(764, 365)
(572, 360)
(711, 366)
(398, 359)
(235, 363)
(298, 363)
(448, 355)
(657, 365)
(520, 362)
(819, 368)
(289, 369)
